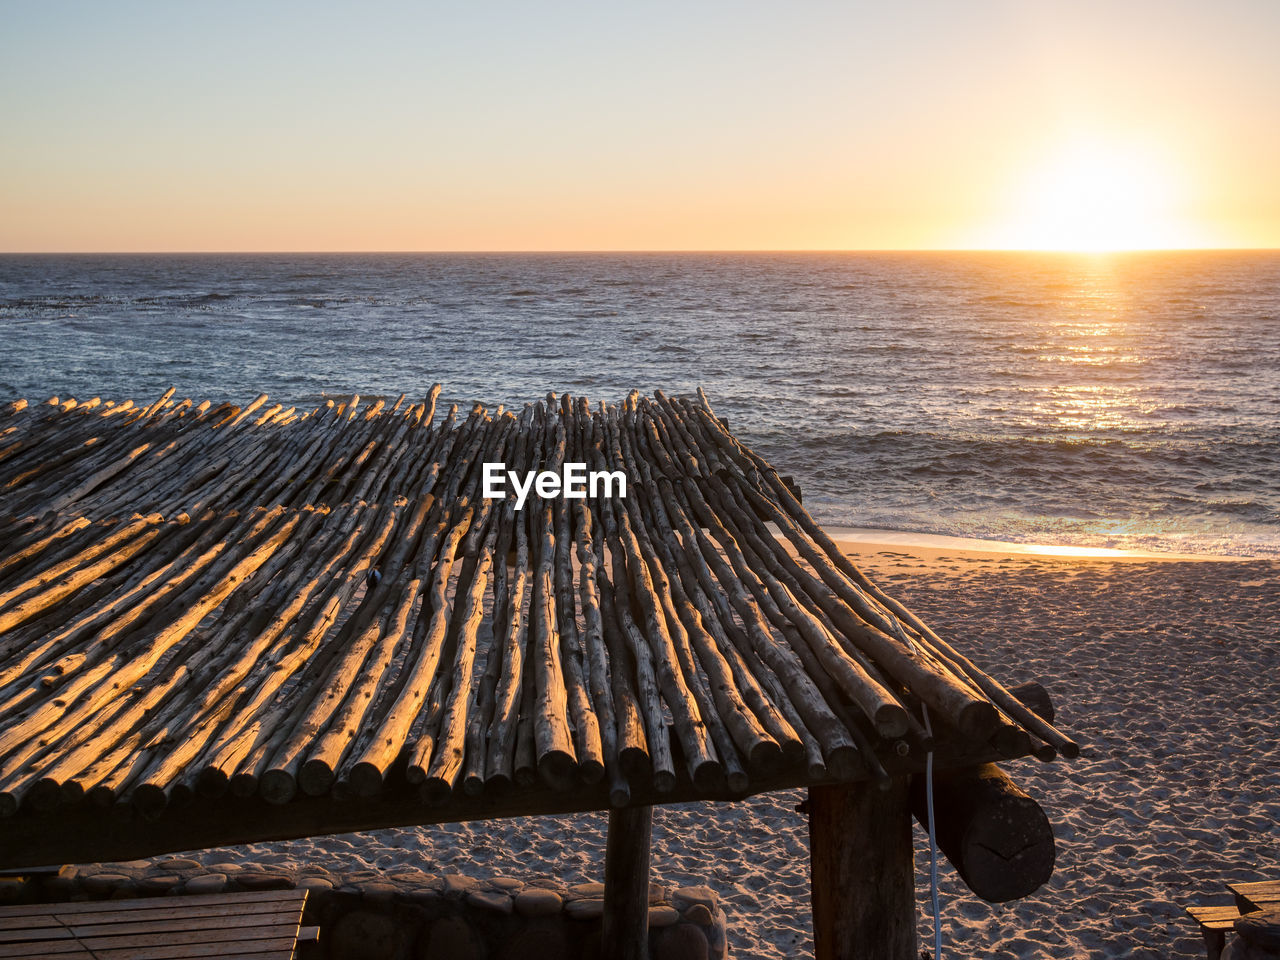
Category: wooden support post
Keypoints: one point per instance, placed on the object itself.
(626, 884)
(861, 872)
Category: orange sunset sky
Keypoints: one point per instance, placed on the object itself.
(677, 126)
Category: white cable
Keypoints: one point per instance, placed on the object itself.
(933, 846)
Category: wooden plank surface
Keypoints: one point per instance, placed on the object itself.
(58, 928)
(70, 949)
(1214, 917)
(263, 925)
(278, 949)
(61, 948)
(231, 902)
(1255, 895)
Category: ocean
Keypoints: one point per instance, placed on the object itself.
(1128, 401)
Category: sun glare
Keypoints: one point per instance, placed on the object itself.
(1095, 196)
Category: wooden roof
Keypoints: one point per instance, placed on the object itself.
(220, 625)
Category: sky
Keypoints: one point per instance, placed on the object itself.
(229, 126)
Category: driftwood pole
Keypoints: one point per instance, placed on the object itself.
(861, 876)
(625, 933)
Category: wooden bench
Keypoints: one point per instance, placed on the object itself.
(1256, 895)
(1215, 924)
(260, 925)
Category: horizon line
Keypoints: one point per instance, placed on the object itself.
(621, 250)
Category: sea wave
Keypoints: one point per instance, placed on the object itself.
(1129, 402)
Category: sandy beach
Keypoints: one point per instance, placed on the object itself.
(1168, 672)
(407, 409)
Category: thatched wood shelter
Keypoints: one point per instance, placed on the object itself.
(221, 625)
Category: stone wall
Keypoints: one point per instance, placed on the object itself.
(413, 914)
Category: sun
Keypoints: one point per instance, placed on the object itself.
(1093, 195)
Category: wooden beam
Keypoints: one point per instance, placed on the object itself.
(999, 839)
(862, 874)
(625, 935)
(83, 832)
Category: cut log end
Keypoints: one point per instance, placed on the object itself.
(498, 784)
(72, 791)
(315, 778)
(244, 786)
(978, 720)
(1011, 742)
(1044, 752)
(103, 797)
(998, 838)
(557, 769)
(664, 781)
(1013, 853)
(634, 761)
(619, 795)
(845, 763)
(709, 776)
(149, 800)
(365, 780)
(435, 790)
(181, 794)
(45, 794)
(276, 786)
(891, 720)
(767, 758)
(793, 752)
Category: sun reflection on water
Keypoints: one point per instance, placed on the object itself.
(1058, 550)
(1092, 351)
(1089, 407)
